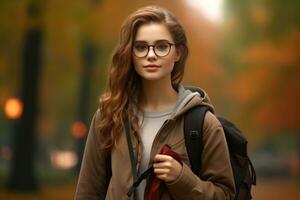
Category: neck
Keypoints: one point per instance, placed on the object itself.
(157, 96)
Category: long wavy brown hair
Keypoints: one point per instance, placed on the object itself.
(120, 100)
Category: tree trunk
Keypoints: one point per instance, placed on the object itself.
(84, 95)
(22, 175)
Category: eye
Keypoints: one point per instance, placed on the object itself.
(140, 47)
(162, 46)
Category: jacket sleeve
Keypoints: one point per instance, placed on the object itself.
(91, 182)
(216, 174)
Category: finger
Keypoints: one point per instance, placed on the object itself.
(161, 158)
(165, 164)
(161, 171)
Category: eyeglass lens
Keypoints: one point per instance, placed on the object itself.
(160, 48)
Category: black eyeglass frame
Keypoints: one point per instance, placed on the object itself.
(153, 46)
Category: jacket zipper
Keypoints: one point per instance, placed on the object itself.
(154, 142)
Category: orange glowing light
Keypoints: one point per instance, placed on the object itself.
(13, 108)
(79, 130)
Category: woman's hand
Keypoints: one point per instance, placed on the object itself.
(166, 168)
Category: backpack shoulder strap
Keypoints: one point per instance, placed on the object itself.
(193, 126)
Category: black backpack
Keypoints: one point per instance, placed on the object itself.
(243, 170)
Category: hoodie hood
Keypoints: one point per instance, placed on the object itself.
(188, 98)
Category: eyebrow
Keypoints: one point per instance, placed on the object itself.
(144, 41)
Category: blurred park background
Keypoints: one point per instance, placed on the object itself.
(54, 56)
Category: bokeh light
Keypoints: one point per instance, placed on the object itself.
(212, 9)
(13, 108)
(63, 159)
(79, 130)
(6, 153)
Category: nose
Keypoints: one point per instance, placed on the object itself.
(151, 53)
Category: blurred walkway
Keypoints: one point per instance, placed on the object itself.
(61, 192)
(266, 190)
(276, 190)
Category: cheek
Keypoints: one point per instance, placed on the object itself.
(170, 61)
(170, 64)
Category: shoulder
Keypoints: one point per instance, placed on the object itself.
(211, 121)
(94, 125)
(212, 127)
(97, 115)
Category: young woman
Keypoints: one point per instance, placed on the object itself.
(144, 88)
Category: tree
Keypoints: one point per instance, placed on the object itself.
(261, 40)
(22, 174)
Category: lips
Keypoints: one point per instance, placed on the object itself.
(151, 68)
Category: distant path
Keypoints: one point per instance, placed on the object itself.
(265, 190)
(277, 190)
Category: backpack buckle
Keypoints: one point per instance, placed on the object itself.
(194, 134)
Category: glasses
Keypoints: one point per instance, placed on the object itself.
(161, 48)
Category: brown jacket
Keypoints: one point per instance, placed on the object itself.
(215, 180)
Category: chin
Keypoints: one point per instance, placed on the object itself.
(151, 78)
(156, 76)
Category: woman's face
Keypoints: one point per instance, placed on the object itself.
(158, 63)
